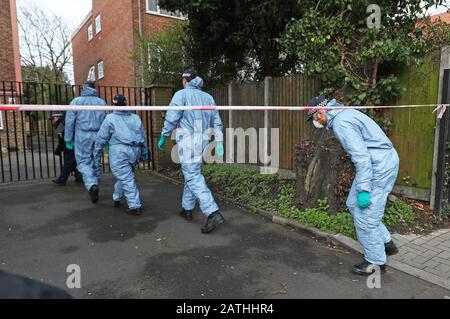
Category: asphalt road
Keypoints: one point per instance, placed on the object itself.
(44, 228)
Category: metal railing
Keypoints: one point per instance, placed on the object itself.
(28, 140)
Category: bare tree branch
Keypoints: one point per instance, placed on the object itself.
(45, 44)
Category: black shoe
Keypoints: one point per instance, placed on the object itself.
(117, 204)
(367, 269)
(186, 214)
(212, 222)
(391, 248)
(93, 192)
(79, 181)
(135, 212)
(58, 183)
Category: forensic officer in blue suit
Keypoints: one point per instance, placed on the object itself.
(80, 134)
(125, 135)
(377, 164)
(193, 130)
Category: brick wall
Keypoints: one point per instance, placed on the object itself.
(9, 48)
(150, 22)
(116, 42)
(111, 45)
(7, 72)
(15, 134)
(10, 71)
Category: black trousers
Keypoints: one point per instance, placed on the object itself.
(69, 167)
(18, 287)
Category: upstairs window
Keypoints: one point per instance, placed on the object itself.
(98, 24)
(90, 32)
(153, 7)
(101, 72)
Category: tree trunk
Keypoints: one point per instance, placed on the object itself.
(324, 170)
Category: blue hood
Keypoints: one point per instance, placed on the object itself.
(333, 113)
(88, 91)
(123, 113)
(196, 83)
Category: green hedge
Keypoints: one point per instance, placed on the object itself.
(276, 195)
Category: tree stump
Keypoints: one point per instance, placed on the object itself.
(324, 170)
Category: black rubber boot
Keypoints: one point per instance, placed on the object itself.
(58, 183)
(117, 204)
(367, 269)
(212, 222)
(391, 248)
(93, 193)
(186, 214)
(135, 212)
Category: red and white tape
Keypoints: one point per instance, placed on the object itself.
(441, 108)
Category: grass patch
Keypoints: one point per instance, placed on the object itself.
(277, 195)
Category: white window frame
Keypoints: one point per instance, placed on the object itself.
(101, 66)
(98, 24)
(1, 121)
(90, 32)
(158, 11)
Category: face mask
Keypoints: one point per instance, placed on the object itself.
(318, 125)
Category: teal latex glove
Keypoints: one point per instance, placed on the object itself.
(145, 157)
(363, 200)
(70, 146)
(220, 149)
(161, 142)
(106, 148)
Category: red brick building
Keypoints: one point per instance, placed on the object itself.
(103, 43)
(9, 39)
(444, 17)
(10, 71)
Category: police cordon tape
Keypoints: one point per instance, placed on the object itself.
(35, 107)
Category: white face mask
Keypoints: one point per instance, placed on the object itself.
(318, 125)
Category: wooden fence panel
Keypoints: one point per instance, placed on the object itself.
(413, 130)
(292, 91)
(286, 91)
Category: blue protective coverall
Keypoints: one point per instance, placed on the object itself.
(81, 129)
(377, 164)
(127, 146)
(193, 135)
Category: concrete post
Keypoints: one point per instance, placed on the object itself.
(229, 131)
(445, 64)
(160, 95)
(267, 102)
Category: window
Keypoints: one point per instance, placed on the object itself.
(101, 73)
(91, 76)
(90, 33)
(153, 7)
(98, 24)
(1, 121)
